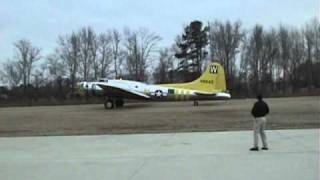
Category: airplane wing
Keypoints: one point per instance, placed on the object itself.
(124, 93)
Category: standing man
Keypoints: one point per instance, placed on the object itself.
(259, 112)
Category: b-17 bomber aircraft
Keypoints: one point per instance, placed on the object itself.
(211, 85)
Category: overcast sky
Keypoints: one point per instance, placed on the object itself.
(42, 21)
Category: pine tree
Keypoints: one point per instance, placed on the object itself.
(192, 46)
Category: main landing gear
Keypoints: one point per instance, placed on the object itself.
(195, 103)
(110, 103)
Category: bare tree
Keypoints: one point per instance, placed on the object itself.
(315, 26)
(297, 56)
(26, 56)
(22, 56)
(88, 50)
(69, 52)
(285, 46)
(94, 51)
(115, 44)
(258, 54)
(255, 55)
(10, 73)
(161, 73)
(224, 41)
(309, 38)
(55, 66)
(139, 46)
(39, 78)
(312, 45)
(270, 54)
(280, 60)
(132, 54)
(104, 60)
(244, 67)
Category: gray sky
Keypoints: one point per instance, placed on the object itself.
(42, 21)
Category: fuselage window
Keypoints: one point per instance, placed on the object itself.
(136, 86)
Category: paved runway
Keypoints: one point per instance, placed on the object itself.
(293, 154)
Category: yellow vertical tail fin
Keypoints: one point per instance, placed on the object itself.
(212, 80)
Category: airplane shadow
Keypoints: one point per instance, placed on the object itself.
(136, 105)
(143, 105)
(125, 107)
(212, 103)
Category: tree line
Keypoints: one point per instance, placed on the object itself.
(273, 61)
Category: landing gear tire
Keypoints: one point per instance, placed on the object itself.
(108, 104)
(113, 103)
(195, 103)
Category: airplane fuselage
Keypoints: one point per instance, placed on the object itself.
(156, 92)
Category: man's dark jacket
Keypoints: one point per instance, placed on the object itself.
(260, 109)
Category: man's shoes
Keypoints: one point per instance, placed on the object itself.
(265, 148)
(254, 149)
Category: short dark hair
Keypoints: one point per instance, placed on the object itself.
(259, 97)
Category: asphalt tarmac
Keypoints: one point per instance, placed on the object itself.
(293, 154)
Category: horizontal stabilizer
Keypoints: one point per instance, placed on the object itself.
(199, 93)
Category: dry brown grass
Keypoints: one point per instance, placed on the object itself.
(156, 117)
